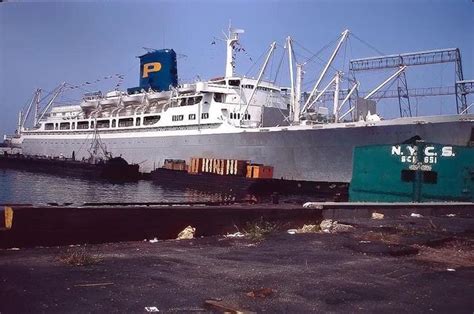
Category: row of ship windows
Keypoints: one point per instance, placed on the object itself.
(84, 125)
(249, 86)
(191, 116)
(245, 116)
(187, 101)
(266, 89)
(174, 128)
(126, 122)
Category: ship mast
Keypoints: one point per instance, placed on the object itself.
(231, 39)
(292, 90)
(299, 83)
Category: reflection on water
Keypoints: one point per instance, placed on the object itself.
(27, 187)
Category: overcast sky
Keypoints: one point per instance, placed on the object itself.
(45, 43)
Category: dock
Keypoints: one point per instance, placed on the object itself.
(55, 224)
(406, 261)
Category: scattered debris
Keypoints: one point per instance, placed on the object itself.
(377, 215)
(224, 308)
(308, 229)
(337, 227)
(332, 226)
(187, 233)
(151, 309)
(154, 240)
(305, 229)
(260, 293)
(238, 234)
(416, 215)
(326, 225)
(94, 284)
(312, 205)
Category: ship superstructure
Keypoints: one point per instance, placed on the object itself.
(231, 117)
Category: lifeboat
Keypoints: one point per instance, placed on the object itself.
(112, 98)
(133, 99)
(89, 104)
(159, 95)
(108, 102)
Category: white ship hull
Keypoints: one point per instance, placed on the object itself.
(311, 153)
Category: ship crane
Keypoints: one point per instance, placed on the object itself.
(24, 117)
(259, 79)
(310, 101)
(56, 93)
(369, 95)
(451, 55)
(35, 103)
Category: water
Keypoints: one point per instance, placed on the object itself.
(35, 188)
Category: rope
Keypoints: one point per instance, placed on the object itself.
(246, 74)
(316, 55)
(83, 143)
(279, 67)
(367, 44)
(271, 67)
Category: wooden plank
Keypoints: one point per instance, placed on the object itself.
(8, 212)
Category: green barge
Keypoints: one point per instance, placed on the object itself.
(420, 172)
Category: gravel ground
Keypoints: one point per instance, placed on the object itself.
(391, 265)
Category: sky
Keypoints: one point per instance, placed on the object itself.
(45, 43)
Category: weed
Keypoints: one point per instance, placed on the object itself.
(257, 230)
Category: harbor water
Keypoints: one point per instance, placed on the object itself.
(28, 187)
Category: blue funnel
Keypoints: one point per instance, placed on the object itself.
(158, 70)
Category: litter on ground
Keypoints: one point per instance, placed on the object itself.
(377, 216)
(234, 235)
(332, 226)
(187, 233)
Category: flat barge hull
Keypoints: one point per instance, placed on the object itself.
(114, 172)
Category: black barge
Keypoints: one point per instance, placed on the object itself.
(114, 169)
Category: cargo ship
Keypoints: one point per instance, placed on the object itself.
(231, 117)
